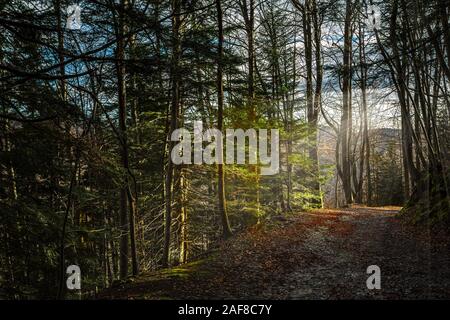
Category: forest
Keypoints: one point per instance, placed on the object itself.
(349, 97)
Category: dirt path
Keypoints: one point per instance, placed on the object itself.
(411, 268)
(318, 255)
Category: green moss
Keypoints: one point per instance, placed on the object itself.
(179, 272)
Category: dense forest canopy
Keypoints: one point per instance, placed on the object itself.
(92, 91)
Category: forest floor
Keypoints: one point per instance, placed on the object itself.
(322, 254)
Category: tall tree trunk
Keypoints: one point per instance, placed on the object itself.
(312, 37)
(174, 113)
(127, 200)
(248, 11)
(317, 100)
(346, 120)
(63, 96)
(366, 141)
(220, 172)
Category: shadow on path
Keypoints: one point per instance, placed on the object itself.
(316, 255)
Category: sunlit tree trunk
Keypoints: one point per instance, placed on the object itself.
(174, 114)
(248, 11)
(365, 148)
(226, 229)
